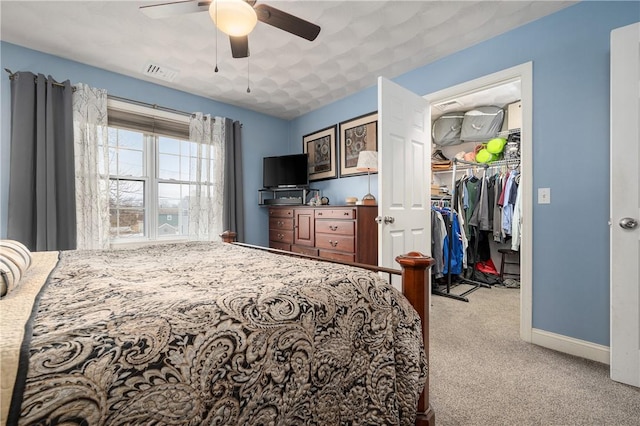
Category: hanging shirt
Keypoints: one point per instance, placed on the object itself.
(438, 235)
(491, 190)
(480, 216)
(507, 208)
(504, 187)
(497, 210)
(460, 203)
(516, 221)
(456, 248)
(473, 186)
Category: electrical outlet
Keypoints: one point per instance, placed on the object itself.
(544, 195)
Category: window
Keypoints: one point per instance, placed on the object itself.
(127, 182)
(154, 170)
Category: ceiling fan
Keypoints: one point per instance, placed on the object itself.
(237, 18)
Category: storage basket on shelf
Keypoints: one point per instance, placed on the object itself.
(447, 128)
(481, 123)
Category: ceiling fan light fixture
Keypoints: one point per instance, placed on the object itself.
(233, 17)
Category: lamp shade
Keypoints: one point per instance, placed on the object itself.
(233, 17)
(367, 161)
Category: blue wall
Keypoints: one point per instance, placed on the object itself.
(570, 55)
(262, 135)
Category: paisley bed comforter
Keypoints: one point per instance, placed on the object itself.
(217, 334)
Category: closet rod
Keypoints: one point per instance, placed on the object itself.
(510, 162)
(487, 165)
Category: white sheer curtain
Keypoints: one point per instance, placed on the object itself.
(92, 166)
(206, 192)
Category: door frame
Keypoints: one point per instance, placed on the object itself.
(524, 73)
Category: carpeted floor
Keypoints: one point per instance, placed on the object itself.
(483, 374)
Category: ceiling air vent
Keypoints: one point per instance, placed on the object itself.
(160, 72)
(448, 105)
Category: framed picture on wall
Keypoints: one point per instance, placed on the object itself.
(357, 134)
(321, 147)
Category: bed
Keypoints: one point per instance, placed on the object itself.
(212, 333)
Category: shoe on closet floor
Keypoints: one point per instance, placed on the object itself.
(511, 283)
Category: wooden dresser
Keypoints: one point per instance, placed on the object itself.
(347, 233)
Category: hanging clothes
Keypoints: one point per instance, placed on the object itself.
(438, 235)
(516, 221)
(480, 215)
(473, 186)
(507, 208)
(453, 257)
(460, 205)
(497, 208)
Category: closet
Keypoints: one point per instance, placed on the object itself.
(476, 211)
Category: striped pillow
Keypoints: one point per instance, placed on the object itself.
(15, 259)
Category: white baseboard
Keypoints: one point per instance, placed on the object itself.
(570, 346)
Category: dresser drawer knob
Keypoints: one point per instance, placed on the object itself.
(280, 236)
(280, 223)
(333, 243)
(333, 227)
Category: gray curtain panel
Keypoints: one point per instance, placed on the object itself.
(42, 207)
(233, 207)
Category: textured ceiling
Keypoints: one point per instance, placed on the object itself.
(288, 76)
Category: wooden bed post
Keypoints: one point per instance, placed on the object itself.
(228, 236)
(415, 288)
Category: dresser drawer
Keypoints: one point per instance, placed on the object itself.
(309, 251)
(280, 223)
(281, 212)
(335, 242)
(335, 214)
(281, 236)
(327, 254)
(280, 246)
(342, 227)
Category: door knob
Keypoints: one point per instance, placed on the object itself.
(386, 219)
(628, 223)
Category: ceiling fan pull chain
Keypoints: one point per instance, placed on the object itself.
(216, 30)
(248, 90)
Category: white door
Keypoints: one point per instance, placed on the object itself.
(404, 173)
(625, 205)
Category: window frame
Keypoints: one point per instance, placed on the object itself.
(150, 178)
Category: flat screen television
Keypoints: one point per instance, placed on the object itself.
(285, 171)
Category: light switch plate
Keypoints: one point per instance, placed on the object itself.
(544, 195)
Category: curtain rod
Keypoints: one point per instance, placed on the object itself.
(148, 105)
(12, 76)
(118, 98)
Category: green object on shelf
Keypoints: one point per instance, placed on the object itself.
(484, 156)
(496, 145)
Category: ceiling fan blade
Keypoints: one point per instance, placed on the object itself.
(165, 10)
(284, 21)
(239, 46)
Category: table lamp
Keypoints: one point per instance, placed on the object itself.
(368, 161)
